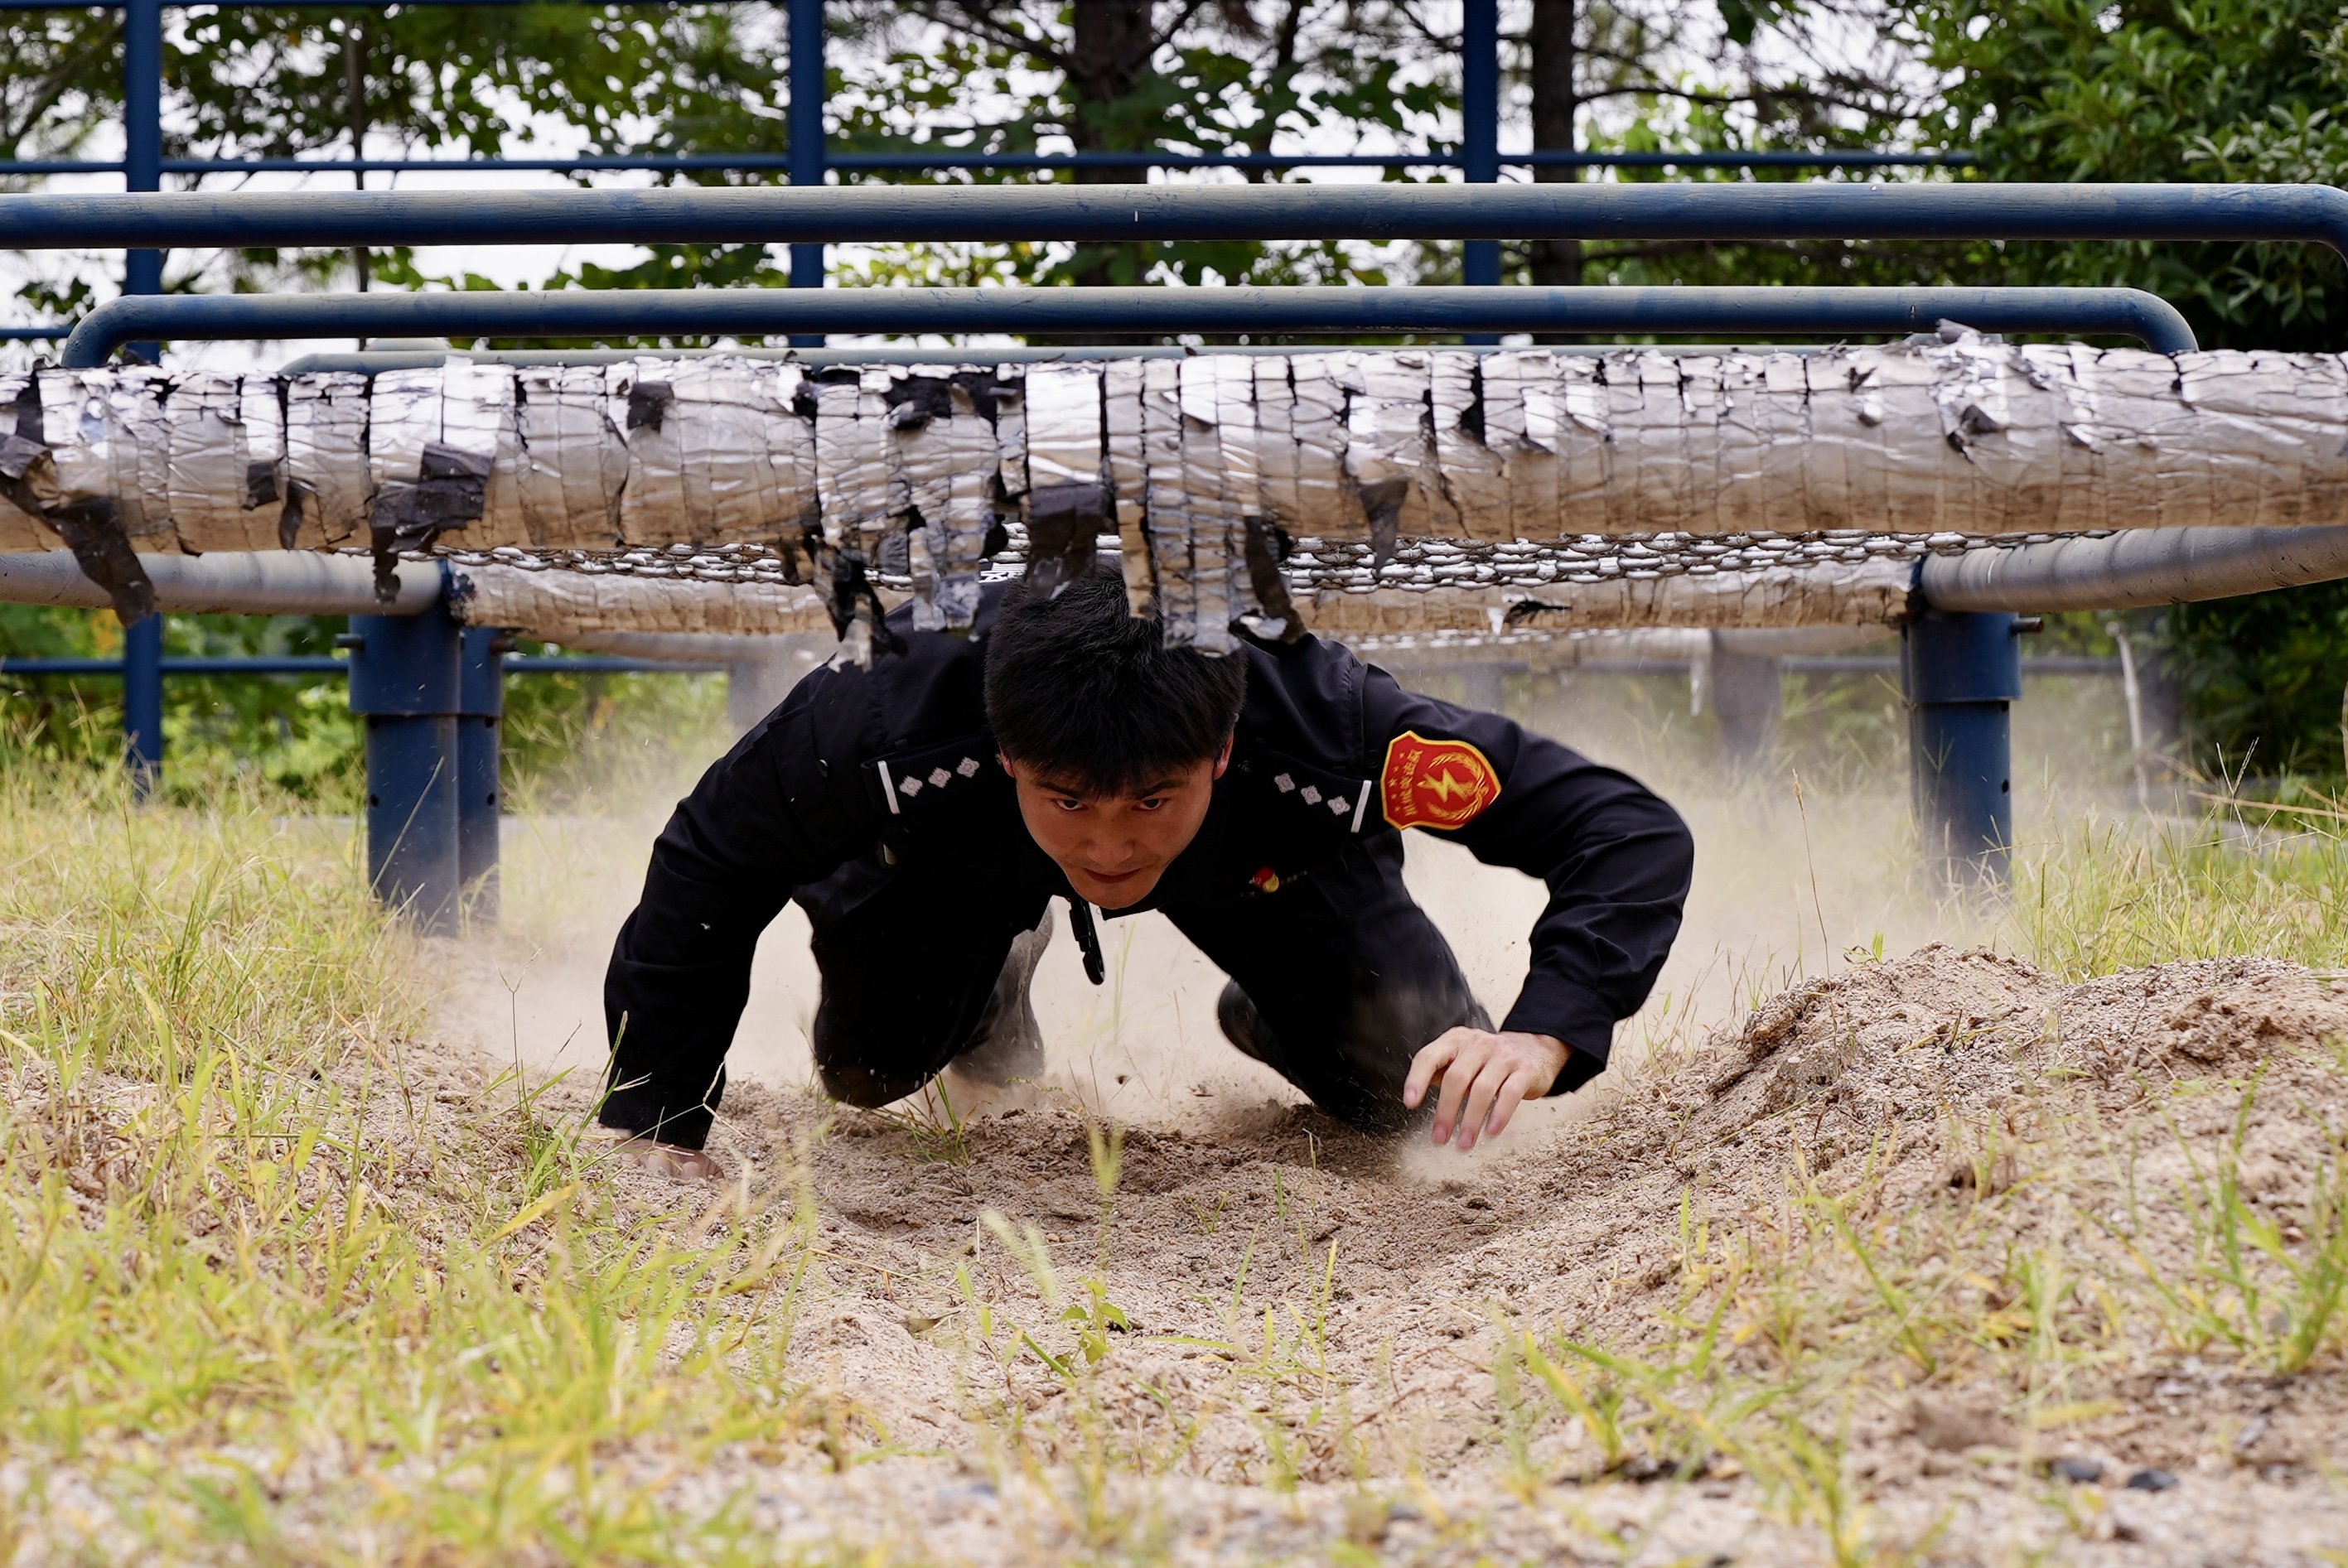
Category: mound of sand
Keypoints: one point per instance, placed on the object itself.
(1966, 1111)
(1317, 1327)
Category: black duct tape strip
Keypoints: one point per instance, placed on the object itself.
(1265, 547)
(849, 591)
(648, 404)
(1062, 520)
(289, 521)
(1382, 502)
(93, 533)
(91, 529)
(261, 486)
(450, 489)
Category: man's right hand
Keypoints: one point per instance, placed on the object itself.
(676, 1162)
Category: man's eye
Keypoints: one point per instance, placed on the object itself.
(1152, 803)
(1066, 804)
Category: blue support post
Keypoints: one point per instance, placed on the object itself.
(1962, 672)
(1748, 698)
(807, 92)
(142, 127)
(142, 702)
(480, 723)
(408, 684)
(1479, 118)
(142, 273)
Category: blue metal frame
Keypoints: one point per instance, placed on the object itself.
(844, 214)
(322, 665)
(406, 674)
(375, 362)
(480, 722)
(914, 158)
(810, 89)
(142, 702)
(297, 4)
(702, 313)
(1957, 668)
(142, 274)
(1479, 126)
(1960, 672)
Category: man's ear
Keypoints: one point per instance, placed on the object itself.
(1003, 759)
(1224, 762)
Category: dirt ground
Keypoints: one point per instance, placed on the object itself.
(1321, 1352)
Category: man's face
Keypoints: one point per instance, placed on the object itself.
(1113, 848)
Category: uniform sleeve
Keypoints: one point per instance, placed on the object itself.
(755, 828)
(1616, 859)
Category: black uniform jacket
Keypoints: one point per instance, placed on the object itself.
(896, 757)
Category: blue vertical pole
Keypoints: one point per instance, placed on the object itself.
(142, 273)
(1962, 672)
(142, 130)
(142, 702)
(480, 720)
(408, 684)
(807, 91)
(1479, 127)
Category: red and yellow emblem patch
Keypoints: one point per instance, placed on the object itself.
(1435, 784)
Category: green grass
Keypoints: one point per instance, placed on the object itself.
(278, 1283)
(240, 1240)
(2113, 894)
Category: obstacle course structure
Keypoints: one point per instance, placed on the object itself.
(1942, 484)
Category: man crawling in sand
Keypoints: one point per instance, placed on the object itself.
(925, 808)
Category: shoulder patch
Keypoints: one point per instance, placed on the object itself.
(1435, 784)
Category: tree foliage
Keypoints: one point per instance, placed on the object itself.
(2169, 90)
(2182, 90)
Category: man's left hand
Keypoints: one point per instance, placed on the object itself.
(1484, 1077)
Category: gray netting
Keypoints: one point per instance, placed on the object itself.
(1339, 566)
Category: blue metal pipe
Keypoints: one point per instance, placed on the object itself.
(1751, 312)
(859, 162)
(407, 677)
(301, 5)
(809, 90)
(375, 362)
(142, 273)
(915, 158)
(1961, 672)
(1479, 125)
(320, 664)
(981, 214)
(599, 664)
(142, 127)
(142, 702)
(1865, 664)
(480, 722)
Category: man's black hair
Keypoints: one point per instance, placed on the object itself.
(1088, 695)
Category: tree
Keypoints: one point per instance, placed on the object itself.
(1120, 75)
(2224, 90)
(2164, 90)
(1625, 76)
(1552, 68)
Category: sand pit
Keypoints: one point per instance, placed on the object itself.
(1939, 1218)
(1839, 1280)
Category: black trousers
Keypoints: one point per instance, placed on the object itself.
(1337, 979)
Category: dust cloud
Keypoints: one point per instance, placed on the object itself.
(1798, 862)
